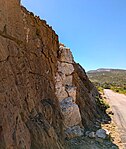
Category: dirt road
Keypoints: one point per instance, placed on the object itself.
(118, 104)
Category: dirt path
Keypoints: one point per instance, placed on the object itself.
(118, 104)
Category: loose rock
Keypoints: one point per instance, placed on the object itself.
(102, 133)
(73, 132)
(91, 135)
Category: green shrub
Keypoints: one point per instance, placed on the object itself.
(102, 103)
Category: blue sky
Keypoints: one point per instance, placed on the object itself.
(95, 30)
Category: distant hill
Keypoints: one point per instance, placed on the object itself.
(108, 78)
(106, 70)
(116, 76)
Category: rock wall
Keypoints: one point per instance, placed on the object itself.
(30, 115)
(43, 92)
(86, 97)
(66, 92)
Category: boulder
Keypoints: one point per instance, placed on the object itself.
(65, 54)
(75, 131)
(71, 112)
(91, 135)
(65, 68)
(102, 133)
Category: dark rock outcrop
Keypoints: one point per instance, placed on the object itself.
(86, 96)
(30, 111)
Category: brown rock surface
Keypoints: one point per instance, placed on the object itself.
(34, 80)
(65, 90)
(86, 93)
(30, 116)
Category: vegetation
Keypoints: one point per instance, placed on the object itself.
(114, 79)
(121, 90)
(102, 102)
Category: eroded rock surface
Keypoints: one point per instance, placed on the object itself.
(30, 115)
(86, 97)
(43, 92)
(65, 89)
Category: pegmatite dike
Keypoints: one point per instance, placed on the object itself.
(66, 93)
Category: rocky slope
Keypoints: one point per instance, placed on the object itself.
(44, 95)
(86, 94)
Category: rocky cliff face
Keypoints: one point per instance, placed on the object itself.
(86, 97)
(43, 92)
(66, 93)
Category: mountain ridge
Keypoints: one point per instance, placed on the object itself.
(105, 70)
(114, 79)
